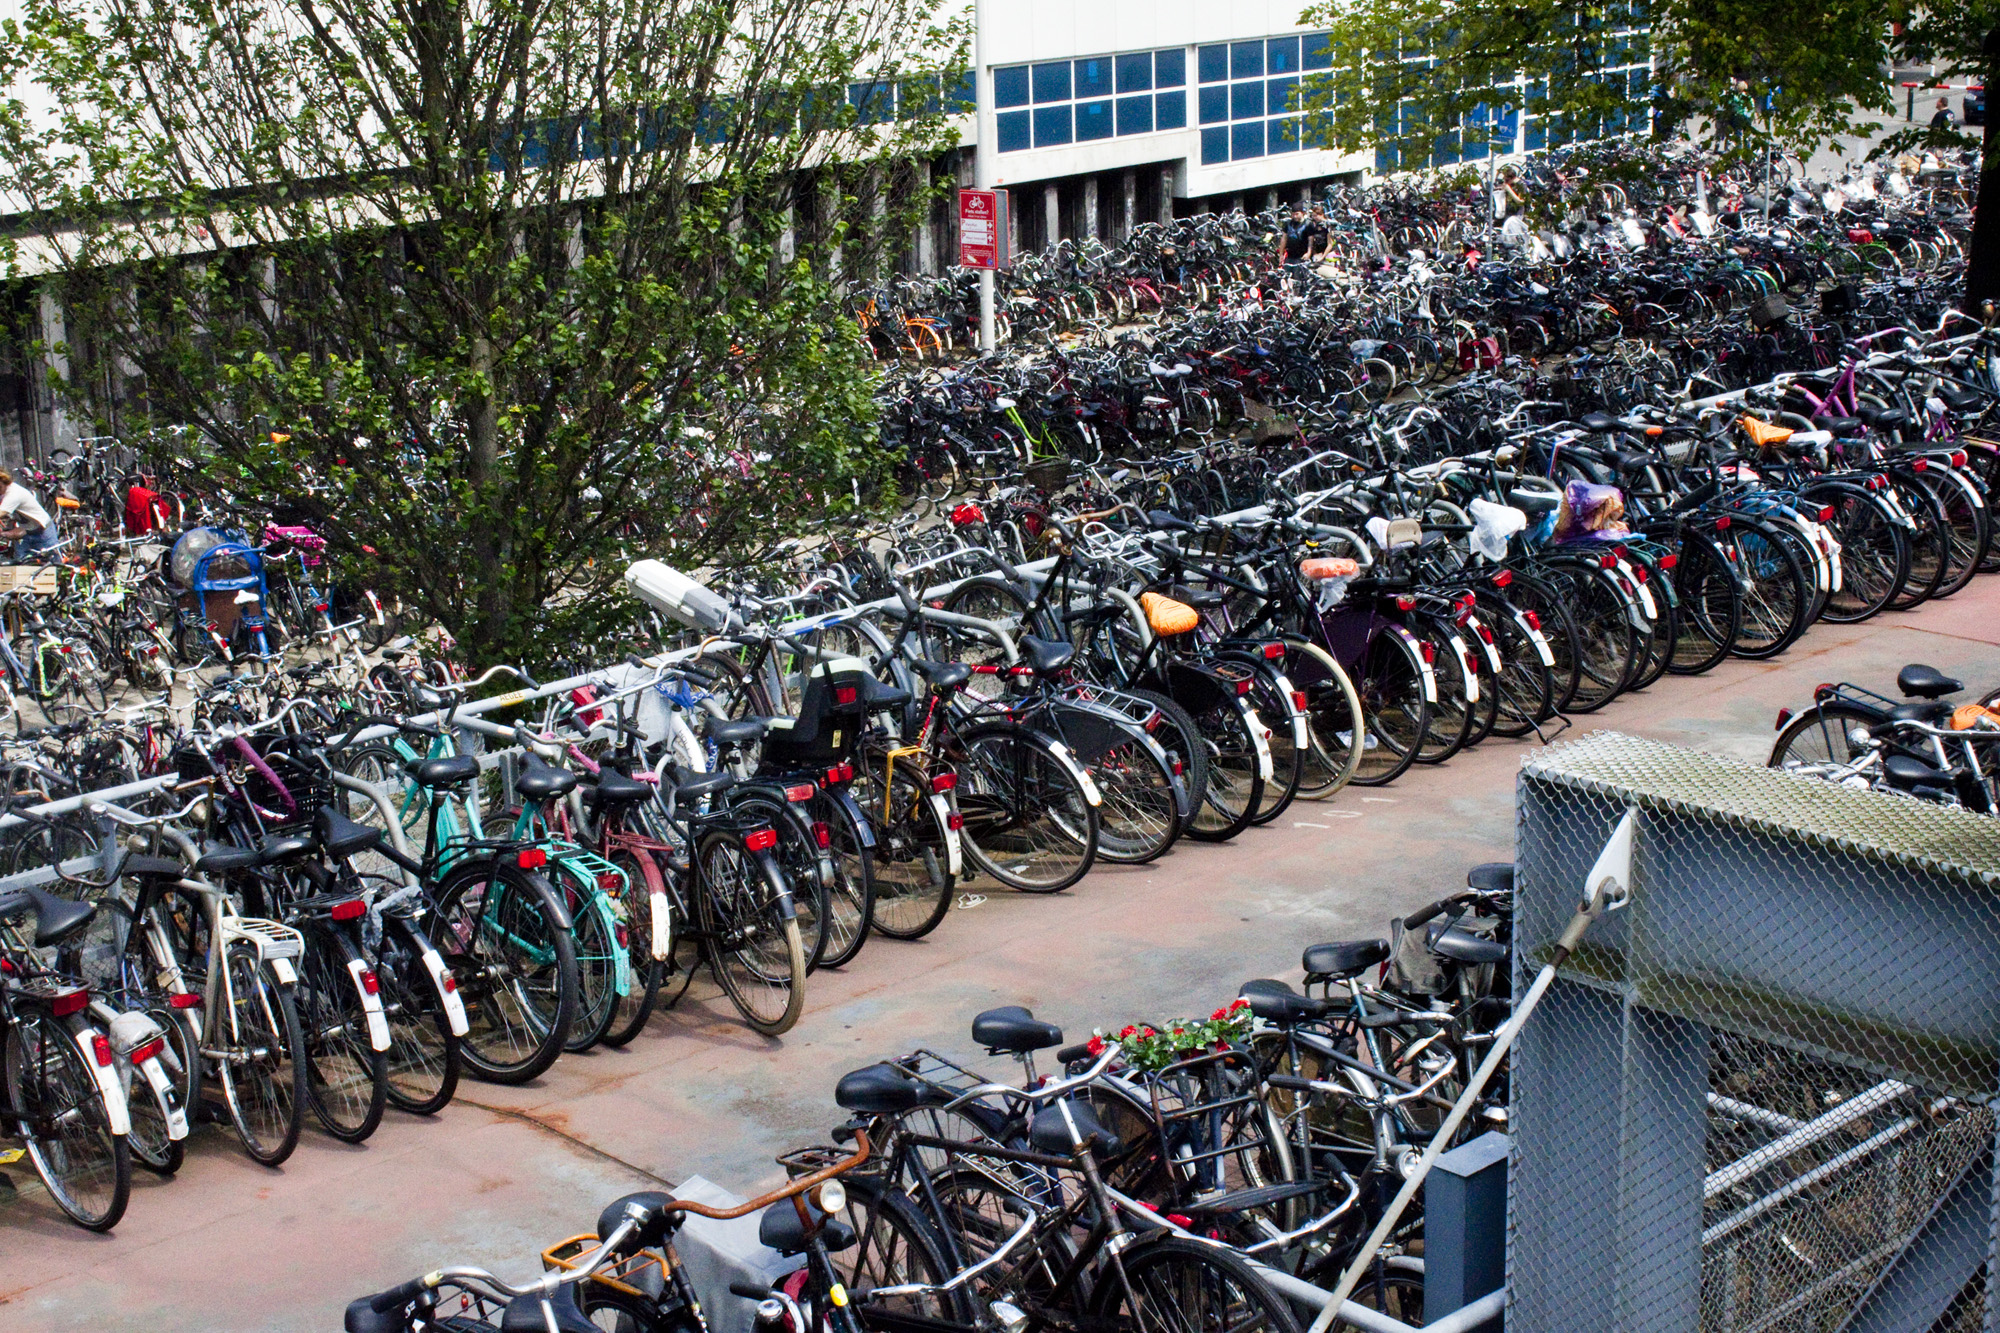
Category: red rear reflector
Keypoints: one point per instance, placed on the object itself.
(802, 792)
(1242, 688)
(762, 840)
(1921, 465)
(450, 983)
(1639, 573)
(1669, 560)
(1485, 634)
(1503, 578)
(532, 859)
(1826, 513)
(100, 1046)
(822, 834)
(845, 694)
(1722, 524)
(1608, 561)
(1274, 651)
(1822, 688)
(1471, 662)
(184, 1000)
(69, 1002)
(1406, 603)
(1958, 458)
(1430, 653)
(954, 821)
(147, 1050)
(611, 880)
(1784, 716)
(833, 775)
(943, 782)
(370, 983)
(1534, 621)
(1298, 701)
(351, 910)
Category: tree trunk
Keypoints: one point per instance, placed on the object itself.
(1982, 261)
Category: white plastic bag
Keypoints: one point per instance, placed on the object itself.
(1493, 524)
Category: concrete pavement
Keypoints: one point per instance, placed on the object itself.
(504, 1171)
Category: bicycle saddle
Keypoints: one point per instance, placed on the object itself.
(736, 730)
(272, 851)
(880, 697)
(448, 772)
(657, 1226)
(1926, 682)
(877, 1090)
(524, 1314)
(1276, 1002)
(1840, 425)
(1598, 422)
(698, 785)
(780, 1229)
(1344, 958)
(539, 782)
(1630, 460)
(341, 836)
(1160, 518)
(1882, 418)
(1049, 1132)
(1534, 502)
(1013, 1030)
(1931, 712)
(1462, 946)
(943, 676)
(1491, 877)
(54, 917)
(1959, 398)
(1045, 657)
(614, 788)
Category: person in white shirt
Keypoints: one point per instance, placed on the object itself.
(23, 519)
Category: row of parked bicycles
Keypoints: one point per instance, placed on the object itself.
(1223, 1172)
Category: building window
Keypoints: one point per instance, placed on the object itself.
(1283, 135)
(1281, 55)
(1093, 78)
(1215, 145)
(1093, 120)
(1281, 96)
(1052, 126)
(1214, 104)
(1052, 82)
(1246, 139)
(1010, 86)
(875, 103)
(1318, 52)
(1135, 115)
(1170, 111)
(1213, 63)
(1135, 73)
(1011, 132)
(1246, 99)
(1170, 68)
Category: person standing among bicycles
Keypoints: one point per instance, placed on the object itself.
(23, 519)
(1299, 242)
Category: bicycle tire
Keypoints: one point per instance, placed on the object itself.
(1606, 638)
(755, 949)
(1395, 706)
(1547, 613)
(1711, 606)
(86, 1168)
(1235, 774)
(1332, 707)
(265, 1093)
(1775, 594)
(347, 1079)
(520, 994)
(1820, 735)
(913, 878)
(1139, 815)
(635, 1008)
(1524, 688)
(1874, 552)
(895, 1245)
(1171, 1283)
(1027, 820)
(423, 1056)
(1928, 541)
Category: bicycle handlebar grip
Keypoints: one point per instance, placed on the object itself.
(397, 1297)
(1288, 1083)
(1069, 1055)
(749, 1291)
(1436, 909)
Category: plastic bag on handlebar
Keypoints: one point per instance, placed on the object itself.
(1413, 968)
(1492, 525)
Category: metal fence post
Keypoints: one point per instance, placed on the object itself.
(1465, 1228)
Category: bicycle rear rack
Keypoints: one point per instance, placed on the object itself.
(272, 940)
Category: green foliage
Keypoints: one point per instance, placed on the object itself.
(522, 284)
(1413, 76)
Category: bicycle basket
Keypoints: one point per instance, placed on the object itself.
(1050, 476)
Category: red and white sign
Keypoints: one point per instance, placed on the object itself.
(979, 221)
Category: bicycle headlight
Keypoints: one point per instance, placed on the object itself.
(830, 1197)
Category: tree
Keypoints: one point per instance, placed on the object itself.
(1962, 38)
(492, 287)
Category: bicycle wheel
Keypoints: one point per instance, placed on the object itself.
(500, 931)
(1235, 765)
(1929, 540)
(1395, 707)
(1271, 697)
(347, 1079)
(798, 855)
(1171, 1285)
(1028, 822)
(1775, 594)
(1711, 606)
(1140, 816)
(1175, 730)
(1543, 607)
(895, 1246)
(1821, 735)
(263, 1067)
(636, 1006)
(60, 1114)
(851, 891)
(1455, 709)
(151, 1143)
(423, 1055)
(912, 859)
(595, 929)
(1334, 734)
(754, 945)
(1524, 687)
(1874, 552)
(1968, 527)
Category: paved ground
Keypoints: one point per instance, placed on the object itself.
(231, 1246)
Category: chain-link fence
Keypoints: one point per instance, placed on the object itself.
(1761, 1096)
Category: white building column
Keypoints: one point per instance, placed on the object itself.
(1090, 227)
(57, 429)
(1128, 214)
(1051, 214)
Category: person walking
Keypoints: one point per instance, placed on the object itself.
(1942, 119)
(23, 519)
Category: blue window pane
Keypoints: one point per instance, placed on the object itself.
(1246, 140)
(1093, 77)
(1093, 120)
(1245, 100)
(1284, 135)
(1318, 53)
(876, 102)
(1170, 68)
(1051, 126)
(1281, 55)
(1010, 86)
(919, 97)
(1213, 63)
(1010, 131)
(1214, 104)
(961, 95)
(1135, 115)
(1215, 145)
(1246, 60)
(1538, 137)
(1135, 73)
(1279, 96)
(1170, 111)
(1052, 82)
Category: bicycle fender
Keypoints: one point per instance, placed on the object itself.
(371, 1005)
(774, 875)
(1083, 778)
(864, 828)
(954, 851)
(447, 987)
(116, 1113)
(167, 1095)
